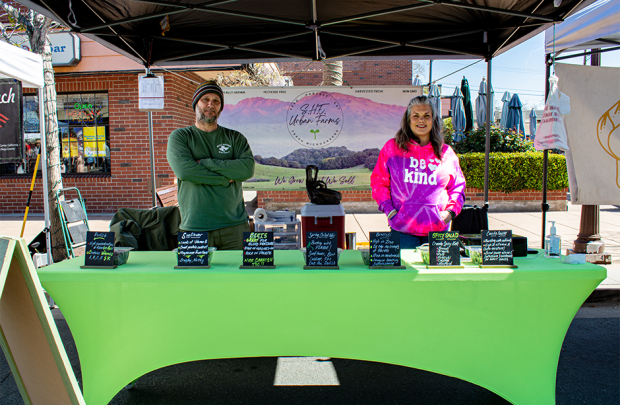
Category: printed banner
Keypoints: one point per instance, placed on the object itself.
(593, 128)
(11, 125)
(339, 129)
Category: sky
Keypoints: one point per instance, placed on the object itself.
(520, 70)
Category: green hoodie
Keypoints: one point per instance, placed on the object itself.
(208, 200)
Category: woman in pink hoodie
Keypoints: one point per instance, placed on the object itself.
(418, 182)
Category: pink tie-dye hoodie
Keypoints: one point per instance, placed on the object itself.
(418, 185)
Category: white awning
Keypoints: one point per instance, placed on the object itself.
(22, 65)
(596, 26)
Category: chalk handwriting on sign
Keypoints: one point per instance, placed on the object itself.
(444, 249)
(384, 249)
(99, 249)
(497, 248)
(193, 249)
(258, 249)
(322, 249)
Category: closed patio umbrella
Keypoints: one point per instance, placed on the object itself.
(458, 115)
(532, 124)
(435, 97)
(469, 112)
(417, 81)
(481, 103)
(505, 100)
(514, 120)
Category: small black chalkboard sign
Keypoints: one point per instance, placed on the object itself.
(322, 250)
(497, 248)
(385, 250)
(193, 250)
(444, 249)
(99, 250)
(257, 250)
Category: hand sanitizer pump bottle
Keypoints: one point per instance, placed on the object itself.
(553, 243)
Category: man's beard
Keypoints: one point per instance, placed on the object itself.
(207, 120)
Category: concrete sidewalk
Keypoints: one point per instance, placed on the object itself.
(526, 224)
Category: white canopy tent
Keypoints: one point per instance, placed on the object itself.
(27, 67)
(17, 63)
(595, 26)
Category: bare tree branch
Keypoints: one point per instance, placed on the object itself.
(18, 16)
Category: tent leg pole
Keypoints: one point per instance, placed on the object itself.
(487, 147)
(544, 205)
(153, 186)
(430, 72)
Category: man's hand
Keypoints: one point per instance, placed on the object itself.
(231, 181)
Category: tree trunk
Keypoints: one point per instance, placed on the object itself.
(40, 44)
(332, 73)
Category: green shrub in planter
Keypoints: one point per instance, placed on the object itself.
(502, 140)
(510, 172)
(448, 131)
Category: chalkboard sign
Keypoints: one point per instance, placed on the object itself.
(193, 250)
(99, 250)
(497, 248)
(11, 122)
(322, 250)
(258, 250)
(385, 250)
(444, 249)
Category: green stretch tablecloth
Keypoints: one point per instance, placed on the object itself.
(499, 328)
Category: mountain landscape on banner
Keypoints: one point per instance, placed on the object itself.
(366, 124)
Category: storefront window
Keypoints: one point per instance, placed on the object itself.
(84, 135)
(84, 132)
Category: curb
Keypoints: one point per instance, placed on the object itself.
(608, 295)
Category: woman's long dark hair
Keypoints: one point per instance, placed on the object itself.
(405, 135)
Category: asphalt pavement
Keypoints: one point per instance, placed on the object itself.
(588, 373)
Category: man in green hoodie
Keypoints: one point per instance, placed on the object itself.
(210, 163)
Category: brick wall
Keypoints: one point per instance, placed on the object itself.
(361, 200)
(355, 73)
(266, 197)
(476, 194)
(127, 185)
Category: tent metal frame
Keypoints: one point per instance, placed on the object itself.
(209, 8)
(317, 28)
(602, 50)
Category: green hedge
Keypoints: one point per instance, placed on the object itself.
(510, 172)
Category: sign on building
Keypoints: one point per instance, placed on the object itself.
(11, 124)
(66, 48)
